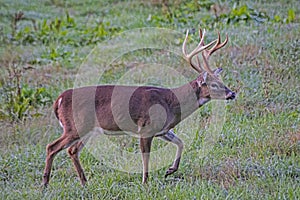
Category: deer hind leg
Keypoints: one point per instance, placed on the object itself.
(52, 149)
(73, 152)
(145, 145)
(171, 137)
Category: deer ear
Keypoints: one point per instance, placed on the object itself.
(218, 71)
(202, 79)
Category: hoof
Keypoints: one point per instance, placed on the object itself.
(170, 171)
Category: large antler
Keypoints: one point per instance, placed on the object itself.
(197, 50)
(207, 53)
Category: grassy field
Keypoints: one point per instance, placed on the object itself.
(255, 152)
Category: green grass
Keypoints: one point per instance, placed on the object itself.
(254, 156)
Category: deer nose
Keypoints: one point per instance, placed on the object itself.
(230, 95)
(233, 95)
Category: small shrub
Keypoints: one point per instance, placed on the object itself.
(18, 100)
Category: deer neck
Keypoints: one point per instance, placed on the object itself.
(190, 98)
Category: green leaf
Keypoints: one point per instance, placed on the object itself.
(277, 18)
(291, 16)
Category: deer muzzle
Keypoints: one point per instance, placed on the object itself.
(230, 95)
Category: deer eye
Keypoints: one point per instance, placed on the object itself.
(214, 85)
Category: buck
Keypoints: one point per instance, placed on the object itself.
(144, 111)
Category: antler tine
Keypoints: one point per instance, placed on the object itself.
(197, 50)
(207, 53)
(187, 57)
(184, 43)
(217, 46)
(200, 33)
(199, 65)
(201, 46)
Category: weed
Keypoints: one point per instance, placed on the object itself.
(18, 100)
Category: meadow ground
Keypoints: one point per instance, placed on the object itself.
(255, 149)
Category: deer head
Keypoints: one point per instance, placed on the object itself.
(208, 80)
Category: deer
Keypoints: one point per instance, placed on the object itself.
(144, 111)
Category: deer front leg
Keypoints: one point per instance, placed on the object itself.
(171, 137)
(145, 145)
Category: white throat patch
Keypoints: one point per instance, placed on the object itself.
(202, 101)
